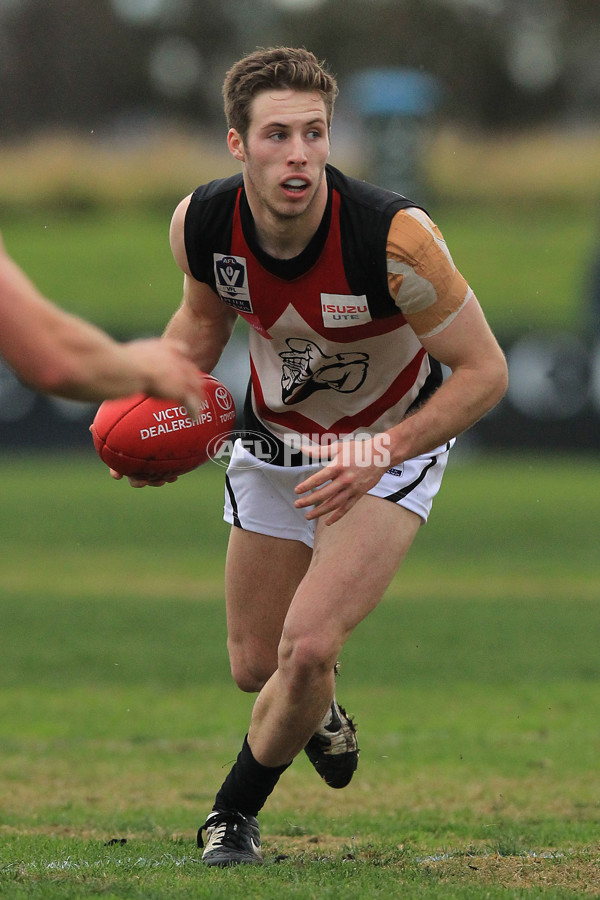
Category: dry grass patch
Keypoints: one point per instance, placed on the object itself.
(73, 170)
(538, 164)
(66, 169)
(576, 871)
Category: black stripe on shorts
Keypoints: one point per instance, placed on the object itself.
(405, 491)
(233, 501)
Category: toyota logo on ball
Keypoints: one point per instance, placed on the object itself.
(223, 398)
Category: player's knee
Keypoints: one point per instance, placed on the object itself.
(250, 671)
(246, 681)
(307, 657)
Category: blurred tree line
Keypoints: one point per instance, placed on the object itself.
(85, 64)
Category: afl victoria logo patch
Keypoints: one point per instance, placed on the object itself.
(232, 281)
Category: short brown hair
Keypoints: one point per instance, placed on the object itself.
(274, 68)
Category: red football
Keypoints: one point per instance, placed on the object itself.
(152, 439)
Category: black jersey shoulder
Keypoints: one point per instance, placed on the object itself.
(371, 197)
(208, 224)
(366, 212)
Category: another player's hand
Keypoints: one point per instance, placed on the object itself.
(354, 468)
(171, 373)
(140, 482)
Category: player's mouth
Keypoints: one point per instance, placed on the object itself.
(295, 186)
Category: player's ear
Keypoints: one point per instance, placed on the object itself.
(236, 145)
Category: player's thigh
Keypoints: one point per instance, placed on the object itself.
(262, 574)
(352, 565)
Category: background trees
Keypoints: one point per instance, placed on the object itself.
(87, 64)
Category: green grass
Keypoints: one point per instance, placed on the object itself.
(475, 686)
(113, 267)
(527, 263)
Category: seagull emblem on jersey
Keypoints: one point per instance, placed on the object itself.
(307, 369)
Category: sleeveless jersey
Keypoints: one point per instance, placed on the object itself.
(331, 352)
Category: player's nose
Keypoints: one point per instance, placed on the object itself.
(297, 150)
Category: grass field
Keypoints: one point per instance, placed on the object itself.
(475, 686)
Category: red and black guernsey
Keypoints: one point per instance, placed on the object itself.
(330, 352)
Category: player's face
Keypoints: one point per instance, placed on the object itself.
(285, 152)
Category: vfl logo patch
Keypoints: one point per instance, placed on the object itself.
(232, 281)
(343, 310)
(306, 369)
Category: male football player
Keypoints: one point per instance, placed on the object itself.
(353, 303)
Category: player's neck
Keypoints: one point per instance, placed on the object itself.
(285, 237)
(283, 242)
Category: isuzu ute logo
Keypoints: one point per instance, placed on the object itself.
(344, 310)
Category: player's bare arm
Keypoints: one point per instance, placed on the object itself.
(202, 323)
(60, 353)
(478, 381)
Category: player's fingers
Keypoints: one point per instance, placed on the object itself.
(152, 482)
(116, 475)
(334, 507)
(310, 484)
(192, 405)
(309, 499)
(325, 496)
(339, 512)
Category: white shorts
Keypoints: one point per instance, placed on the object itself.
(260, 496)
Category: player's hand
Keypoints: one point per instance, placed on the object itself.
(140, 482)
(171, 373)
(354, 468)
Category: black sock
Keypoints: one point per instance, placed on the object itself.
(248, 785)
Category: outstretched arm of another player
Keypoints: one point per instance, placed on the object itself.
(59, 353)
(478, 381)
